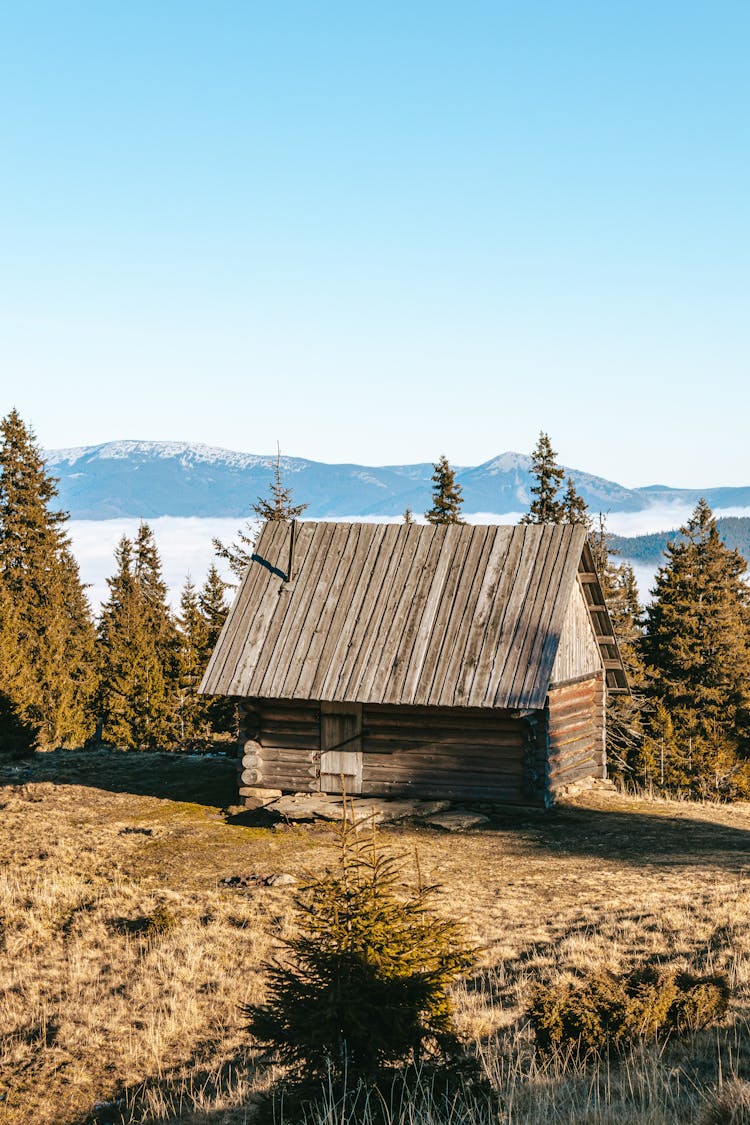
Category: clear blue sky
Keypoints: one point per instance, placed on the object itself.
(382, 231)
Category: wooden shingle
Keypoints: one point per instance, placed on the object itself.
(458, 616)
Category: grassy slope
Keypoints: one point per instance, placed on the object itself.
(124, 961)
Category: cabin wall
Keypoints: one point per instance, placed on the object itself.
(575, 732)
(461, 753)
(444, 752)
(578, 652)
(279, 746)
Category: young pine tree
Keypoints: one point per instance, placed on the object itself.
(279, 505)
(47, 659)
(545, 507)
(446, 495)
(367, 981)
(138, 697)
(697, 649)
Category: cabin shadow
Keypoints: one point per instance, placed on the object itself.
(636, 837)
(193, 779)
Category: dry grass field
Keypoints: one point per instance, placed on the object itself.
(124, 959)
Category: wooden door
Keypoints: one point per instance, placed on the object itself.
(341, 747)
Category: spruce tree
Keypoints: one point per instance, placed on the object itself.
(408, 517)
(366, 982)
(446, 495)
(575, 510)
(49, 662)
(138, 699)
(213, 606)
(278, 505)
(697, 649)
(221, 711)
(193, 724)
(545, 506)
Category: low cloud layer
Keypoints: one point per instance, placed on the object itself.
(185, 543)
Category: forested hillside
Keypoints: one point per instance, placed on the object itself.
(734, 530)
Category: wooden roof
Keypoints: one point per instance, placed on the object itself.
(449, 616)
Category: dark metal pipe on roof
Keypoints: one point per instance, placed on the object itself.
(292, 537)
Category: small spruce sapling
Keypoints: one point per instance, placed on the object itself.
(365, 985)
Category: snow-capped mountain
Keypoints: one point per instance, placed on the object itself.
(150, 479)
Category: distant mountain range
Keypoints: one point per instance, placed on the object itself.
(148, 479)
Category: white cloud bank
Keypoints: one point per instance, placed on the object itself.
(185, 542)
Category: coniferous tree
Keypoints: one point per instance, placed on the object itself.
(138, 644)
(575, 508)
(408, 517)
(446, 495)
(545, 506)
(222, 712)
(48, 664)
(213, 606)
(278, 506)
(193, 723)
(697, 649)
(17, 734)
(367, 982)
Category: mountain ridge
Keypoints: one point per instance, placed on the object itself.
(134, 478)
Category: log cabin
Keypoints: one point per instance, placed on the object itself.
(462, 662)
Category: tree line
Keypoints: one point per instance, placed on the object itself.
(130, 677)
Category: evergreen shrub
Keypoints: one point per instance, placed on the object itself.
(365, 983)
(603, 1011)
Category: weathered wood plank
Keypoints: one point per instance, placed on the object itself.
(260, 682)
(514, 622)
(222, 667)
(529, 637)
(462, 666)
(323, 604)
(337, 608)
(282, 635)
(357, 685)
(491, 565)
(375, 676)
(457, 622)
(420, 613)
(345, 624)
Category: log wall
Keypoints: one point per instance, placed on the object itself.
(467, 754)
(459, 753)
(575, 732)
(443, 752)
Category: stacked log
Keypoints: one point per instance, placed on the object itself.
(249, 745)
